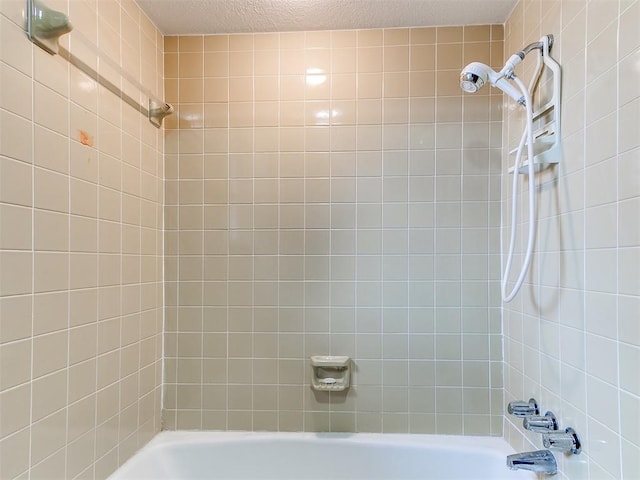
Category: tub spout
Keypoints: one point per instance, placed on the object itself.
(540, 461)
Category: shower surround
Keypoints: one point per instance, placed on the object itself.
(335, 193)
(571, 336)
(374, 255)
(80, 248)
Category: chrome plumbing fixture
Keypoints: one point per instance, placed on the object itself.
(476, 75)
(539, 461)
(524, 409)
(541, 424)
(566, 442)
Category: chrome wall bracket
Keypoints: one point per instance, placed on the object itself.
(45, 26)
(158, 110)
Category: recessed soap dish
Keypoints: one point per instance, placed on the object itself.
(330, 373)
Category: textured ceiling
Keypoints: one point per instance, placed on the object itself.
(184, 17)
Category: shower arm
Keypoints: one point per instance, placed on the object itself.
(518, 57)
(536, 46)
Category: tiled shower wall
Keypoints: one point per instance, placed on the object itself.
(80, 248)
(571, 337)
(333, 193)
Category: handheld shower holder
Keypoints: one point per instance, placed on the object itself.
(547, 136)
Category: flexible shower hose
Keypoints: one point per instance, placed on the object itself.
(527, 138)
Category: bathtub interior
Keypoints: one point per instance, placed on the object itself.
(234, 455)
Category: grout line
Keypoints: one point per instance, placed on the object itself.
(68, 253)
(435, 237)
(277, 254)
(409, 253)
(618, 432)
(586, 434)
(253, 230)
(33, 269)
(203, 249)
(356, 262)
(97, 311)
(381, 304)
(228, 232)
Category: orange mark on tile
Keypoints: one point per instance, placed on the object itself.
(85, 138)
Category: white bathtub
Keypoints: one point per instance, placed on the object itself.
(306, 456)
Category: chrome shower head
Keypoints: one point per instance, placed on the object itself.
(475, 75)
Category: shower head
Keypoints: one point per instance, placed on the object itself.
(475, 75)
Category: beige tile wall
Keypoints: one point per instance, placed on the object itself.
(572, 337)
(316, 204)
(80, 249)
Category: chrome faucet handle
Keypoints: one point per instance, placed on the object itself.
(542, 424)
(567, 441)
(524, 409)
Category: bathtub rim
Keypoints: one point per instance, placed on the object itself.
(456, 444)
(484, 444)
